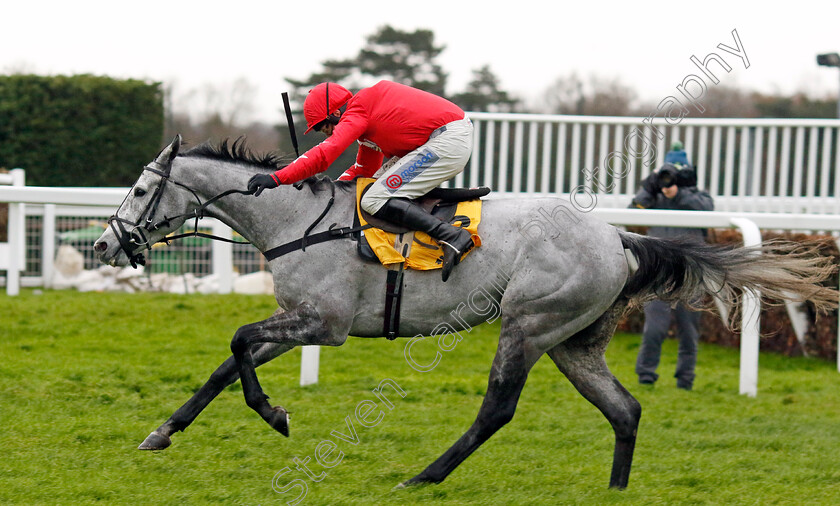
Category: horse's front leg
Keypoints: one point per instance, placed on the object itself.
(300, 326)
(224, 376)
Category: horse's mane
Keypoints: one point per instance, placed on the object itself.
(238, 152)
(321, 182)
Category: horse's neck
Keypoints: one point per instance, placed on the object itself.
(275, 217)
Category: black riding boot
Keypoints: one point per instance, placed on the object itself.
(455, 240)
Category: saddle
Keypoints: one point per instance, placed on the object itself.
(391, 245)
(459, 206)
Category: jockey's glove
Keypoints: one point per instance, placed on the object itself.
(260, 182)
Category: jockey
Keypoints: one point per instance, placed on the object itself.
(426, 138)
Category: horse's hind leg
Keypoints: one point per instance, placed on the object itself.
(224, 376)
(507, 378)
(581, 359)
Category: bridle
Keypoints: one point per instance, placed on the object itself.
(140, 231)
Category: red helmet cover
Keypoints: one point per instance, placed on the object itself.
(315, 105)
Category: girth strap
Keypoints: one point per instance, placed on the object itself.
(299, 244)
(394, 288)
(393, 297)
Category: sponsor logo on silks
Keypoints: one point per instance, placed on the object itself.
(393, 181)
(413, 168)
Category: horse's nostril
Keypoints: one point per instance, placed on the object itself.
(100, 246)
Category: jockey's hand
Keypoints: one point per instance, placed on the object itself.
(260, 182)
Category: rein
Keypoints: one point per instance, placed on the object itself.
(198, 213)
(139, 232)
(330, 234)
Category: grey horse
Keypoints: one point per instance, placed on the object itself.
(561, 279)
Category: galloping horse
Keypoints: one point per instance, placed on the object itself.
(568, 278)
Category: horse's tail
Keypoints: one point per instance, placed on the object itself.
(685, 270)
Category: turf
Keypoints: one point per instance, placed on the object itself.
(85, 377)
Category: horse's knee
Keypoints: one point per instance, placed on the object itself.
(302, 325)
(503, 416)
(496, 417)
(241, 339)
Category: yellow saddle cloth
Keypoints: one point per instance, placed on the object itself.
(426, 254)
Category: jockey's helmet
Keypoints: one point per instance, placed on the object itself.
(315, 108)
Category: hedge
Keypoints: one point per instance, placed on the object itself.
(79, 130)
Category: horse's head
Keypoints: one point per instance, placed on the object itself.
(151, 210)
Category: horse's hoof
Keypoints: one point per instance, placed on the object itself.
(280, 420)
(155, 441)
(413, 482)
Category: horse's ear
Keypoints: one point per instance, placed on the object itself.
(176, 146)
(169, 153)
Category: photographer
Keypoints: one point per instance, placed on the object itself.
(672, 186)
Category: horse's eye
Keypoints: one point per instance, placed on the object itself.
(139, 192)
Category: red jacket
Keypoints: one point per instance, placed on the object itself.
(388, 119)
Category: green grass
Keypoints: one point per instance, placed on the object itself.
(85, 377)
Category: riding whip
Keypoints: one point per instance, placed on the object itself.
(291, 122)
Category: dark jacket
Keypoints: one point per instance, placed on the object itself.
(688, 198)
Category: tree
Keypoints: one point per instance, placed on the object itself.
(483, 94)
(218, 111)
(797, 106)
(726, 102)
(595, 97)
(404, 57)
(334, 71)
